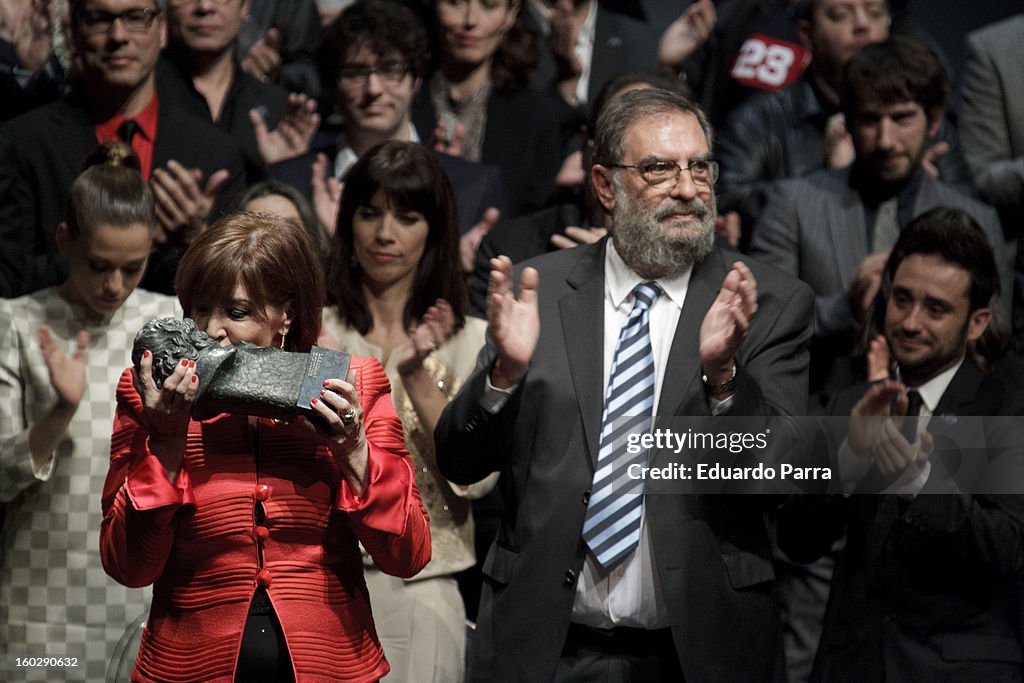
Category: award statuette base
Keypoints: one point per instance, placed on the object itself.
(323, 364)
(244, 378)
(265, 382)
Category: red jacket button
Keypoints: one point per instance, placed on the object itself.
(263, 578)
(262, 492)
(262, 533)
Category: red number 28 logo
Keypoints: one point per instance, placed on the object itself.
(769, 63)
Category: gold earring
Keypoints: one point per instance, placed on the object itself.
(283, 335)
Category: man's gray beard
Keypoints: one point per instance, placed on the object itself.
(640, 239)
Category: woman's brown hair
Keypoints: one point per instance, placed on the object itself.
(274, 259)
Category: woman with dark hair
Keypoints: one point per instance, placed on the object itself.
(249, 528)
(478, 103)
(61, 351)
(397, 294)
(280, 198)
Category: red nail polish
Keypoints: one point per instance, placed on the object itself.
(314, 401)
(184, 362)
(191, 363)
(194, 379)
(325, 383)
(321, 393)
(146, 354)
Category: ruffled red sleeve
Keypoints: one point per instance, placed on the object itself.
(140, 504)
(389, 518)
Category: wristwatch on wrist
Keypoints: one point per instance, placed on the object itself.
(726, 387)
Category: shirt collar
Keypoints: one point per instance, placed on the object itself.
(146, 120)
(620, 280)
(932, 390)
(346, 157)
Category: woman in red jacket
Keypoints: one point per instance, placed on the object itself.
(249, 529)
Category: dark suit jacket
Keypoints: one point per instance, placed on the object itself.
(42, 152)
(245, 93)
(928, 590)
(477, 187)
(524, 137)
(711, 553)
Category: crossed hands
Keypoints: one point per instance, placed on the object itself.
(875, 433)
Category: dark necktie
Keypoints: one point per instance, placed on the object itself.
(127, 130)
(611, 528)
(909, 426)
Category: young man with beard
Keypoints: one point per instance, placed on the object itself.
(684, 588)
(833, 228)
(927, 586)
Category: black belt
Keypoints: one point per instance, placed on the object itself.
(622, 640)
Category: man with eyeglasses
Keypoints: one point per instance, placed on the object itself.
(376, 55)
(190, 164)
(591, 577)
(202, 72)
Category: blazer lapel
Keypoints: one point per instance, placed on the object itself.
(682, 371)
(77, 130)
(928, 195)
(848, 231)
(583, 332)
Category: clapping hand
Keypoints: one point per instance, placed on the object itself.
(435, 328)
(470, 241)
(67, 374)
(513, 322)
(294, 131)
(874, 433)
(687, 33)
(727, 323)
(326, 190)
(182, 200)
(263, 59)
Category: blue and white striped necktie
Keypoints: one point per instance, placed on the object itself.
(611, 528)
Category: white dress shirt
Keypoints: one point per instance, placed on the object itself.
(631, 594)
(346, 157)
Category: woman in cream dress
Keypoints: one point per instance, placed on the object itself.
(397, 294)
